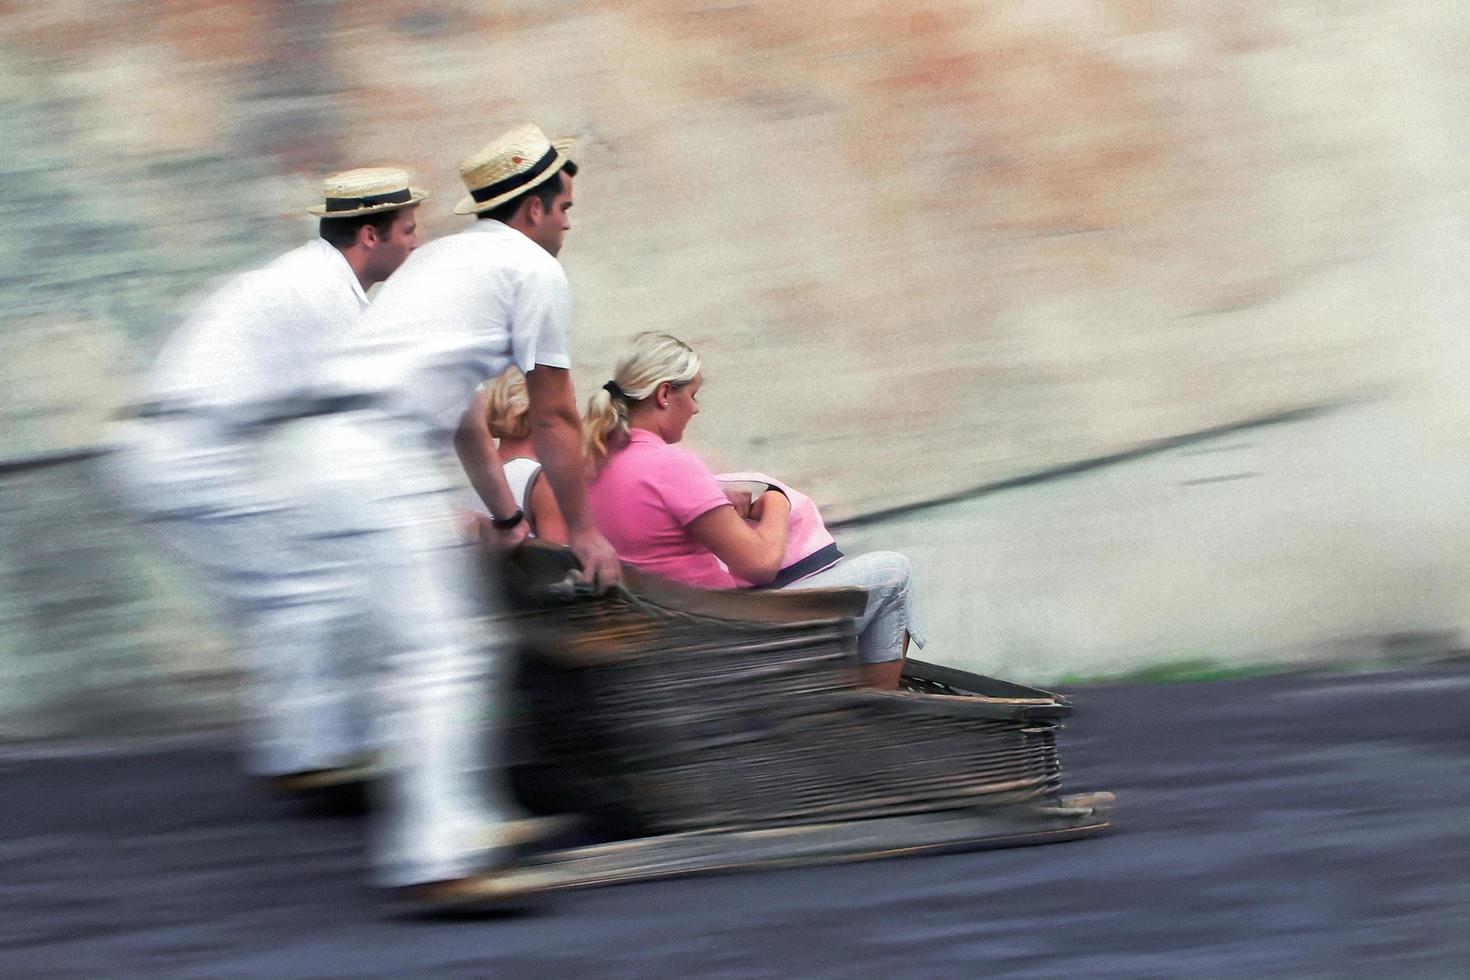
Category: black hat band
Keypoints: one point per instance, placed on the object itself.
(515, 181)
(368, 200)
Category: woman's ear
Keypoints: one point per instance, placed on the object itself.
(661, 394)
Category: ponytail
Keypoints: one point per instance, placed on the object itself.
(605, 426)
(653, 359)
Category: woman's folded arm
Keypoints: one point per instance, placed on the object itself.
(751, 552)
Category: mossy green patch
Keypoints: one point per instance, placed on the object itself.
(1179, 672)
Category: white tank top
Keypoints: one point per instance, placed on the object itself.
(519, 472)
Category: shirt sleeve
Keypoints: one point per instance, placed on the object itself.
(541, 318)
(688, 488)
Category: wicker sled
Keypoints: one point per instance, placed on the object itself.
(709, 730)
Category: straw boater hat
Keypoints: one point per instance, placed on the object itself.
(509, 165)
(365, 191)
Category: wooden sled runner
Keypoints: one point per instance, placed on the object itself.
(703, 731)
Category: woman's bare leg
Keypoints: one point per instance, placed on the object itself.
(884, 676)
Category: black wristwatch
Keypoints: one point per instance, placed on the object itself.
(506, 523)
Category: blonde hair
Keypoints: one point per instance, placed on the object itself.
(506, 405)
(653, 359)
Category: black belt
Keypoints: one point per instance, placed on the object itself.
(281, 412)
(156, 410)
(307, 408)
(814, 562)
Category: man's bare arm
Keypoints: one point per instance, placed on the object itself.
(556, 429)
(546, 515)
(476, 450)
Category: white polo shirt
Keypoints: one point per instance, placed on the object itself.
(458, 312)
(260, 339)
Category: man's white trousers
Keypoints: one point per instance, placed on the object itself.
(218, 499)
(383, 503)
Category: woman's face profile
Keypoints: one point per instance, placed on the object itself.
(683, 405)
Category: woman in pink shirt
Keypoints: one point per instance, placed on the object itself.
(665, 512)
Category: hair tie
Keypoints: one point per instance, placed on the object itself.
(613, 389)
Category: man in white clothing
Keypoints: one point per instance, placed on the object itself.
(195, 461)
(380, 475)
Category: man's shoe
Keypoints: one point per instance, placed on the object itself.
(516, 838)
(508, 890)
(339, 790)
(512, 888)
(1088, 804)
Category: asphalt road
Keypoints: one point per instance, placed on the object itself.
(1308, 826)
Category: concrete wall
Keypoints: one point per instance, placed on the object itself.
(922, 245)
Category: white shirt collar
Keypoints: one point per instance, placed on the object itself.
(339, 261)
(495, 226)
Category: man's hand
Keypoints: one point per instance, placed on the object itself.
(598, 559)
(492, 538)
(556, 428)
(505, 541)
(473, 524)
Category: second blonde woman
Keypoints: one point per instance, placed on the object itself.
(505, 405)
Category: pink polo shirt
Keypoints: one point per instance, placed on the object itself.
(644, 499)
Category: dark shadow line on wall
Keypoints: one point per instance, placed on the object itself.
(1083, 465)
(39, 461)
